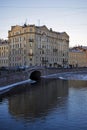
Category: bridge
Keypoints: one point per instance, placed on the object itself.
(35, 72)
(13, 79)
(10, 77)
(9, 81)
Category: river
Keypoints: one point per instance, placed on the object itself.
(50, 104)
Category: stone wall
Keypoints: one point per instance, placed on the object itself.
(9, 78)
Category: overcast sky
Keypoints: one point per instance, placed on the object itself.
(60, 15)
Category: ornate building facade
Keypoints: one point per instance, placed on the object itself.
(4, 53)
(32, 45)
(78, 57)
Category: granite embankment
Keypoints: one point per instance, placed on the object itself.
(12, 77)
(7, 78)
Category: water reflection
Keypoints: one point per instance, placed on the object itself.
(77, 84)
(40, 100)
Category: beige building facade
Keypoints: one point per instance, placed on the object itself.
(77, 57)
(32, 45)
(4, 53)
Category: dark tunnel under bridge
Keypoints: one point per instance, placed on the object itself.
(35, 75)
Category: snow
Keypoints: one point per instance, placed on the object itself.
(68, 76)
(4, 89)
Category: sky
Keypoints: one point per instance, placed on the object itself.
(68, 16)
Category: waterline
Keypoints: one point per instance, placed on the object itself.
(6, 88)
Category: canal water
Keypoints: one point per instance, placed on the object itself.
(50, 104)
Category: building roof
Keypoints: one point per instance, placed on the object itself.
(2, 41)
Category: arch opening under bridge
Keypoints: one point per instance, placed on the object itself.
(35, 75)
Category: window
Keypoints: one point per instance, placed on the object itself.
(30, 29)
(42, 51)
(30, 44)
(25, 31)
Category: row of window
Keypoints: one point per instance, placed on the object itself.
(50, 46)
(17, 45)
(24, 31)
(18, 64)
(4, 61)
(3, 54)
(50, 39)
(58, 53)
(18, 58)
(39, 39)
(4, 48)
(20, 45)
(46, 59)
(19, 39)
(18, 52)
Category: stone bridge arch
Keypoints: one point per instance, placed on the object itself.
(35, 73)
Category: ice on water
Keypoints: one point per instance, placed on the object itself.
(6, 88)
(68, 76)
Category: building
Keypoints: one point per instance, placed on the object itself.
(78, 57)
(32, 45)
(4, 53)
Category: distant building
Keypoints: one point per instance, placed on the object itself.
(37, 45)
(78, 57)
(4, 53)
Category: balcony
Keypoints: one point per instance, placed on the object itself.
(55, 50)
(31, 40)
(30, 54)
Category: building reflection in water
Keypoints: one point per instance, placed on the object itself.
(41, 99)
(77, 84)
